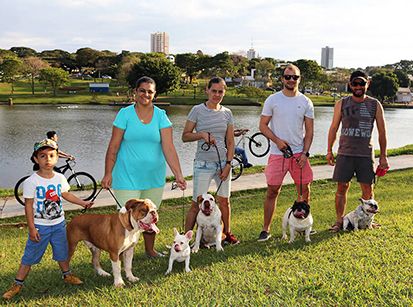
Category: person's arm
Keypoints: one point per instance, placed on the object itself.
(111, 154)
(381, 128)
(65, 155)
(308, 139)
(263, 126)
(188, 135)
(230, 143)
(171, 156)
(70, 197)
(28, 211)
(332, 132)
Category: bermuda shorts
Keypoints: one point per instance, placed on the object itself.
(278, 166)
(55, 235)
(204, 173)
(347, 166)
(154, 194)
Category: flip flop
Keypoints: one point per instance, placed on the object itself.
(158, 255)
(336, 227)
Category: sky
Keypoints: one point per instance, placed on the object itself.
(362, 33)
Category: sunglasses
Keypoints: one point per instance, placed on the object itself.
(360, 83)
(289, 77)
(143, 91)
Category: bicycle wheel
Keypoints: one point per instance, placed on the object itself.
(18, 190)
(83, 185)
(259, 144)
(236, 168)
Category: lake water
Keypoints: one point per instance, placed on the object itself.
(85, 131)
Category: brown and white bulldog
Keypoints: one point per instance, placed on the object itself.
(115, 233)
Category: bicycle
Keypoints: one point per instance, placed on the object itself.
(259, 146)
(81, 182)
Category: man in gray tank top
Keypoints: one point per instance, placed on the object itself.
(355, 155)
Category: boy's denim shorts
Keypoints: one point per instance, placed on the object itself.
(55, 235)
(204, 173)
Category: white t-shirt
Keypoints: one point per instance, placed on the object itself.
(287, 119)
(47, 198)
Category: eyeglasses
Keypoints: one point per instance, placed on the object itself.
(289, 77)
(359, 83)
(143, 91)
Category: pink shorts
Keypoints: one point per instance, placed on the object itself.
(278, 166)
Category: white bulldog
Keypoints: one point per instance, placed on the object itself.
(299, 219)
(362, 217)
(180, 250)
(209, 224)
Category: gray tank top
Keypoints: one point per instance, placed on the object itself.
(357, 122)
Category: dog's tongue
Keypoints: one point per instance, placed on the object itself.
(299, 215)
(154, 228)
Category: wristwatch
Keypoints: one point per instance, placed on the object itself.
(307, 154)
(228, 162)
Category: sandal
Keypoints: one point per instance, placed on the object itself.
(336, 227)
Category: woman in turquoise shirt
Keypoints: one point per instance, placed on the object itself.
(135, 159)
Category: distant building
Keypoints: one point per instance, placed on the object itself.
(327, 55)
(99, 87)
(160, 42)
(404, 95)
(251, 53)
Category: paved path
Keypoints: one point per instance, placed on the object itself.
(245, 182)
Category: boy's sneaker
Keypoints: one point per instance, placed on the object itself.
(72, 279)
(231, 239)
(13, 290)
(264, 236)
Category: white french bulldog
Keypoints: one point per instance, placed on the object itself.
(299, 219)
(180, 250)
(362, 217)
(209, 224)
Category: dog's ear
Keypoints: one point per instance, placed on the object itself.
(132, 203)
(199, 199)
(189, 234)
(175, 232)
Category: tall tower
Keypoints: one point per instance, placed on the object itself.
(251, 54)
(160, 42)
(327, 55)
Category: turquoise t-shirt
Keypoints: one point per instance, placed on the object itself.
(140, 163)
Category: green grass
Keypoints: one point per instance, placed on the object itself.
(364, 268)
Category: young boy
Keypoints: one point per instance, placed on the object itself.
(42, 192)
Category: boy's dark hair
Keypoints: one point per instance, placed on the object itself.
(215, 80)
(50, 134)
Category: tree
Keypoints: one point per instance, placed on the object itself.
(222, 65)
(402, 77)
(311, 72)
(32, 66)
(189, 63)
(384, 85)
(54, 76)
(10, 69)
(86, 57)
(23, 52)
(156, 66)
(125, 66)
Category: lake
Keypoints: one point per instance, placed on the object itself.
(85, 130)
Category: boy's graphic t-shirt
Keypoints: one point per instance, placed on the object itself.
(46, 194)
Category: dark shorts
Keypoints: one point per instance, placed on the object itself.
(347, 166)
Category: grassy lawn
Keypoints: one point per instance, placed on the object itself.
(364, 268)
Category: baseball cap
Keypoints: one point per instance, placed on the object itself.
(44, 143)
(358, 74)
